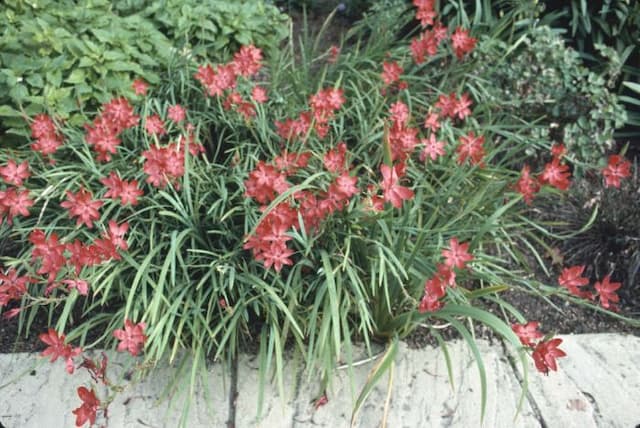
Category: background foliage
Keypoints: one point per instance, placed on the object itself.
(67, 56)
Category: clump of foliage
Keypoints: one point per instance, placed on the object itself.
(61, 56)
(542, 78)
(305, 198)
(209, 28)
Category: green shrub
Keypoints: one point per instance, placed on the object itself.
(65, 56)
(58, 56)
(209, 28)
(543, 79)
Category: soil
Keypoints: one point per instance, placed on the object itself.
(567, 319)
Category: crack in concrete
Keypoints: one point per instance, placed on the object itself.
(596, 410)
(532, 402)
(296, 393)
(233, 393)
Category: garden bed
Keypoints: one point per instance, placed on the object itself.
(428, 183)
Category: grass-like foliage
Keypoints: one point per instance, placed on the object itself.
(306, 200)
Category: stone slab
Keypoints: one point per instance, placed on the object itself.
(421, 394)
(597, 385)
(37, 394)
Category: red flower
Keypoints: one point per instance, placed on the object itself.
(42, 126)
(345, 185)
(334, 53)
(461, 108)
(12, 286)
(51, 252)
(79, 284)
(447, 105)
(13, 173)
(163, 164)
(527, 333)
(399, 113)
(391, 72)
(429, 303)
(392, 191)
(140, 87)
(277, 255)
(246, 109)
(425, 45)
(432, 148)
(130, 192)
(545, 354)
(259, 94)
(325, 103)
(556, 174)
(47, 139)
(218, 81)
(264, 182)
(461, 42)
(527, 185)
(321, 401)
(446, 274)
(14, 203)
(558, 150)
(268, 244)
(58, 348)
(116, 234)
(571, 278)
(90, 405)
(425, 14)
(103, 136)
(335, 159)
(471, 147)
(457, 255)
(289, 163)
(176, 113)
(432, 122)
(402, 141)
(82, 205)
(47, 145)
(434, 290)
(607, 292)
(119, 114)
(617, 168)
(154, 125)
(127, 191)
(132, 337)
(247, 61)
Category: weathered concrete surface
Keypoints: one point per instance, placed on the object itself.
(35, 393)
(421, 394)
(605, 368)
(597, 385)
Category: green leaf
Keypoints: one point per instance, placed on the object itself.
(19, 93)
(76, 76)
(114, 56)
(633, 86)
(54, 78)
(124, 66)
(35, 80)
(333, 297)
(86, 61)
(8, 111)
(385, 363)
